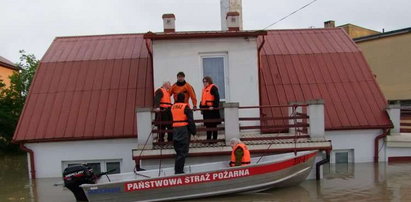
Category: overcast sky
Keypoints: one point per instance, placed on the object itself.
(33, 24)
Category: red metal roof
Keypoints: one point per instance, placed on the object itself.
(88, 88)
(301, 65)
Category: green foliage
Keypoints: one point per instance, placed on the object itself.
(12, 99)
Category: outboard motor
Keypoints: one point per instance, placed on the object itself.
(74, 176)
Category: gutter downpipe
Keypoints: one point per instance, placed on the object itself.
(376, 140)
(149, 51)
(31, 153)
(320, 163)
(259, 71)
(261, 45)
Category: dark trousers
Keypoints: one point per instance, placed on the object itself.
(211, 114)
(164, 115)
(209, 133)
(181, 144)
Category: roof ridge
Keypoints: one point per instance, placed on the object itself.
(306, 29)
(98, 35)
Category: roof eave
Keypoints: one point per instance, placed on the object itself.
(71, 139)
(382, 35)
(389, 126)
(8, 66)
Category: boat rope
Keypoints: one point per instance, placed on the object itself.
(139, 174)
(263, 154)
(293, 114)
(108, 178)
(141, 152)
(144, 146)
(161, 157)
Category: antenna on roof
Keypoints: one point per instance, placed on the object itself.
(292, 13)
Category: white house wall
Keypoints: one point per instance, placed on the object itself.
(173, 56)
(360, 142)
(50, 155)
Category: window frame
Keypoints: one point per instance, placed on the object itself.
(223, 55)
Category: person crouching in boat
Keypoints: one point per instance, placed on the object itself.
(240, 155)
(183, 126)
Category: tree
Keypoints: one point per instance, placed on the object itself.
(12, 99)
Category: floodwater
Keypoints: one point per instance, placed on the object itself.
(342, 182)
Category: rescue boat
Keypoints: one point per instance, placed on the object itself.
(201, 180)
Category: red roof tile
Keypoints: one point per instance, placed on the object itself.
(301, 65)
(88, 88)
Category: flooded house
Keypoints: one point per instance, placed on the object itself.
(282, 90)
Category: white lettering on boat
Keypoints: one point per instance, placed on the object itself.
(230, 174)
(191, 179)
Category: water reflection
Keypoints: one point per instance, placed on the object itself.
(342, 182)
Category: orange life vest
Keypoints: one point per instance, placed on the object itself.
(165, 101)
(207, 98)
(179, 117)
(246, 160)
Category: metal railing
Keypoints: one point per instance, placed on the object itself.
(291, 119)
(405, 120)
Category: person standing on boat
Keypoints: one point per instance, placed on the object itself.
(210, 100)
(162, 107)
(183, 126)
(240, 155)
(181, 86)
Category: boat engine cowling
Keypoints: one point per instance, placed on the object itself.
(74, 176)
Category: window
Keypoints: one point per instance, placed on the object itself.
(341, 157)
(214, 66)
(98, 166)
(113, 166)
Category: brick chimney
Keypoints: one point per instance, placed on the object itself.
(329, 24)
(227, 6)
(169, 22)
(233, 21)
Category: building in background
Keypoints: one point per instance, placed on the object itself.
(388, 55)
(354, 31)
(7, 68)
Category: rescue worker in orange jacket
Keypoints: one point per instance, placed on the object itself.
(181, 86)
(240, 155)
(210, 100)
(162, 107)
(183, 126)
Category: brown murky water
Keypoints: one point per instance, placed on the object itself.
(342, 182)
